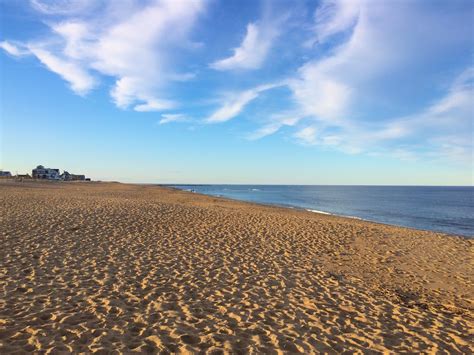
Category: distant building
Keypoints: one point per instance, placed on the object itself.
(5, 174)
(66, 176)
(45, 173)
(40, 172)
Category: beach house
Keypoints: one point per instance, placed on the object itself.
(66, 176)
(40, 172)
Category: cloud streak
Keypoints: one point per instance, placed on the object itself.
(13, 49)
(80, 80)
(253, 50)
(333, 17)
(235, 103)
(62, 7)
(173, 117)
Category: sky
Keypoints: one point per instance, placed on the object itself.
(252, 92)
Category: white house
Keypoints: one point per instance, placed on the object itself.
(45, 173)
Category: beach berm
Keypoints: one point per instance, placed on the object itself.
(100, 267)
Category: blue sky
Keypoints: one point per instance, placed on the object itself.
(295, 92)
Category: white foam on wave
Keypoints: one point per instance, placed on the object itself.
(321, 212)
(331, 214)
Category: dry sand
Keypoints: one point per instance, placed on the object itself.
(108, 266)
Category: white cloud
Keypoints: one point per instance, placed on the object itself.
(442, 130)
(383, 44)
(320, 95)
(155, 105)
(136, 51)
(80, 80)
(264, 131)
(233, 107)
(236, 103)
(62, 7)
(130, 42)
(307, 135)
(333, 17)
(77, 38)
(275, 123)
(253, 50)
(173, 117)
(450, 115)
(13, 49)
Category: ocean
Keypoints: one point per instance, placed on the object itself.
(435, 208)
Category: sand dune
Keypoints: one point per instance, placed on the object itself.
(105, 266)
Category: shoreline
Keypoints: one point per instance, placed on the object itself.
(263, 204)
(112, 266)
(311, 210)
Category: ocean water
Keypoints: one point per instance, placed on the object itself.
(442, 209)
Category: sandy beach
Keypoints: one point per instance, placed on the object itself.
(97, 267)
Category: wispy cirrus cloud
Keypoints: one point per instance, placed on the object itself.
(131, 44)
(234, 103)
(443, 128)
(337, 92)
(260, 37)
(173, 117)
(63, 7)
(307, 135)
(333, 17)
(274, 123)
(253, 50)
(16, 50)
